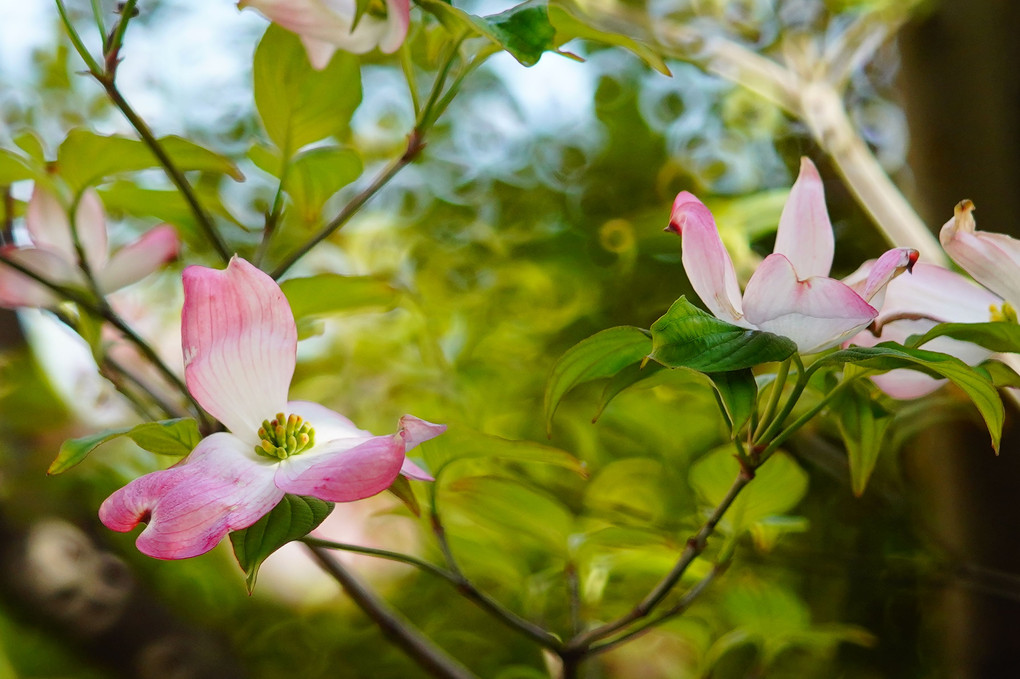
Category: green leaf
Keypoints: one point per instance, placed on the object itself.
(331, 293)
(570, 22)
(778, 486)
(299, 105)
(73, 451)
(511, 506)
(29, 142)
(1000, 374)
(292, 519)
(176, 437)
(401, 488)
(738, 393)
(602, 355)
(85, 158)
(1000, 336)
(14, 168)
(688, 337)
(316, 175)
(167, 205)
(524, 31)
(862, 424)
(888, 356)
(462, 443)
(626, 378)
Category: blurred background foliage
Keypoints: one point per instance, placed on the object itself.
(533, 220)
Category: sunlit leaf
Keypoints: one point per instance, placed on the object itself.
(331, 293)
(293, 518)
(688, 337)
(314, 176)
(166, 437)
(298, 104)
(73, 451)
(888, 356)
(509, 505)
(461, 443)
(176, 437)
(602, 355)
(1004, 337)
(999, 374)
(14, 168)
(570, 22)
(86, 158)
(862, 424)
(777, 487)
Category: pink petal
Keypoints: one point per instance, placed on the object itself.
(320, 22)
(993, 259)
(90, 221)
(343, 470)
(240, 345)
(18, 290)
(887, 267)
(320, 53)
(816, 313)
(805, 232)
(219, 488)
(706, 261)
(47, 224)
(416, 431)
(137, 260)
(398, 20)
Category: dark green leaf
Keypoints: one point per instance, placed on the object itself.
(862, 424)
(570, 22)
(85, 159)
(602, 355)
(626, 378)
(299, 105)
(176, 437)
(737, 393)
(293, 518)
(524, 31)
(315, 175)
(1001, 336)
(888, 356)
(331, 293)
(688, 337)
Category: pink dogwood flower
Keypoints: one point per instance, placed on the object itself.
(325, 26)
(790, 293)
(915, 304)
(52, 253)
(993, 259)
(240, 345)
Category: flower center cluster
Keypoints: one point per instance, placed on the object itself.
(1004, 313)
(285, 436)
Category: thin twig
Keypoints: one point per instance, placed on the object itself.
(398, 629)
(414, 147)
